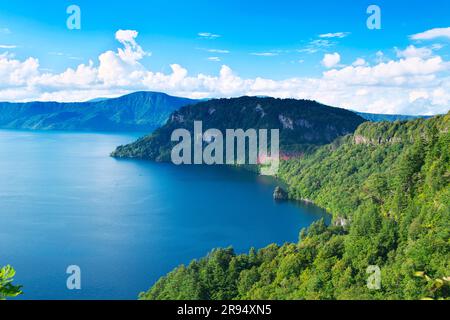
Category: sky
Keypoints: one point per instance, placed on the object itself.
(321, 50)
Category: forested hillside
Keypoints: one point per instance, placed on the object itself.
(387, 187)
(140, 111)
(302, 123)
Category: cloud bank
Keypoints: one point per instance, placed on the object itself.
(417, 82)
(432, 34)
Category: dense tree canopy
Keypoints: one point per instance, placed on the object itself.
(387, 187)
(303, 124)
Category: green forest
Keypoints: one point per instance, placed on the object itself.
(387, 187)
(303, 124)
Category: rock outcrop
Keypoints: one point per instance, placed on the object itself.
(280, 194)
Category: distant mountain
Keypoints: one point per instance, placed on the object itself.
(389, 117)
(140, 111)
(303, 124)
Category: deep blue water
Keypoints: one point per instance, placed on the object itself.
(64, 201)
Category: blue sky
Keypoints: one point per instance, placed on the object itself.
(278, 41)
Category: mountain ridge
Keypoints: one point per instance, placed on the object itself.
(303, 124)
(139, 111)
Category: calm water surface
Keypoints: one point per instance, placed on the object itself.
(64, 201)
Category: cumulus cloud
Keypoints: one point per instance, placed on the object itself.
(409, 71)
(412, 51)
(380, 55)
(15, 73)
(413, 83)
(331, 60)
(359, 62)
(432, 34)
(132, 52)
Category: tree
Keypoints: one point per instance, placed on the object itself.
(7, 289)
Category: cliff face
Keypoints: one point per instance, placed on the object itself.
(302, 124)
(140, 111)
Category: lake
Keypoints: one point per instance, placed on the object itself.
(64, 201)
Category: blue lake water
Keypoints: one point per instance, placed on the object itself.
(64, 201)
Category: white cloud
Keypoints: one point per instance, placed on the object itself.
(412, 85)
(437, 46)
(215, 59)
(83, 76)
(412, 51)
(208, 35)
(218, 51)
(15, 72)
(418, 94)
(432, 34)
(7, 46)
(331, 60)
(264, 54)
(316, 46)
(359, 62)
(132, 52)
(334, 35)
(404, 71)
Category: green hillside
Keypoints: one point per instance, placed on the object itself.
(302, 124)
(387, 186)
(139, 111)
